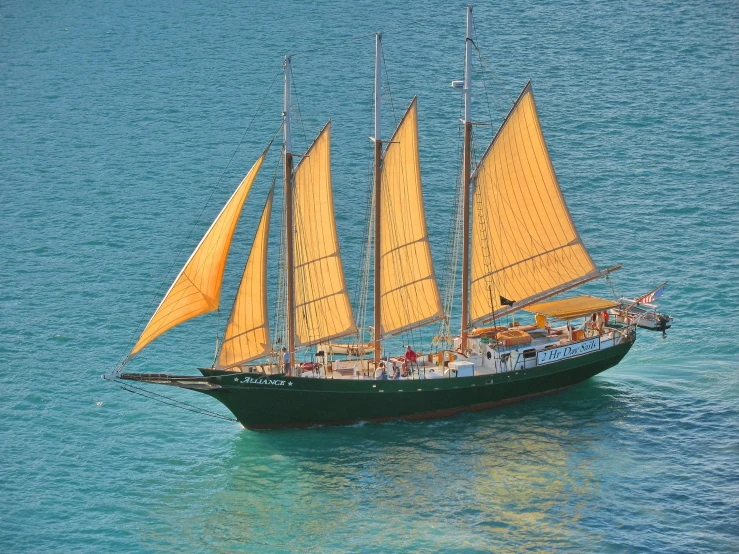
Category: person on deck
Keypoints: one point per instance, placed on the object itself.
(383, 371)
(396, 371)
(600, 322)
(410, 355)
(410, 358)
(285, 361)
(590, 326)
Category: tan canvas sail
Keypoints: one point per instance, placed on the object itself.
(410, 294)
(247, 332)
(197, 289)
(322, 308)
(524, 243)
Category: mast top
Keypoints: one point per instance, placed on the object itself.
(378, 84)
(468, 67)
(286, 105)
(465, 86)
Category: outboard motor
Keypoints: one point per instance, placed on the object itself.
(662, 319)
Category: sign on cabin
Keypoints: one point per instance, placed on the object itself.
(570, 351)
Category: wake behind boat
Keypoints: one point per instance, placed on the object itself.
(314, 364)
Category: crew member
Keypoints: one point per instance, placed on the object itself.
(396, 371)
(410, 355)
(383, 371)
(285, 361)
(600, 322)
(410, 358)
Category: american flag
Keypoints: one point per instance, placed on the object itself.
(652, 296)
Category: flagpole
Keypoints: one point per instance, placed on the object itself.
(645, 295)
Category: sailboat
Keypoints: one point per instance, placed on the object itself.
(520, 249)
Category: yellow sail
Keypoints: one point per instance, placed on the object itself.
(322, 308)
(524, 243)
(409, 292)
(197, 289)
(247, 332)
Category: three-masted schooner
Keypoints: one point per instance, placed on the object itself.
(520, 248)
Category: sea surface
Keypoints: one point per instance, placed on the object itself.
(125, 126)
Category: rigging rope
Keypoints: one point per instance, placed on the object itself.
(389, 90)
(613, 289)
(280, 319)
(490, 67)
(485, 85)
(172, 401)
(454, 241)
(362, 276)
(300, 113)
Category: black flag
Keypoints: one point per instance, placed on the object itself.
(505, 302)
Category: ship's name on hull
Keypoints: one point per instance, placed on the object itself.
(569, 351)
(262, 381)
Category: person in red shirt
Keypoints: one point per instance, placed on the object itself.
(409, 358)
(410, 355)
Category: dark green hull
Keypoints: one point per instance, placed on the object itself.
(260, 402)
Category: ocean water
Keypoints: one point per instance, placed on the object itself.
(124, 126)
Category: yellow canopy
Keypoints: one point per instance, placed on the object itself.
(524, 243)
(247, 333)
(571, 308)
(197, 289)
(322, 308)
(409, 292)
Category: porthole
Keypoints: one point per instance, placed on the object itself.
(490, 355)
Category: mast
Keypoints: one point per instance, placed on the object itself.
(378, 199)
(466, 172)
(289, 227)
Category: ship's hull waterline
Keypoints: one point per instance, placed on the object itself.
(270, 402)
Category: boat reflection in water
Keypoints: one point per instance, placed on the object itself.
(526, 474)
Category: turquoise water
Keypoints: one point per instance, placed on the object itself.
(118, 122)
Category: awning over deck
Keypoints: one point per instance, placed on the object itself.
(571, 308)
